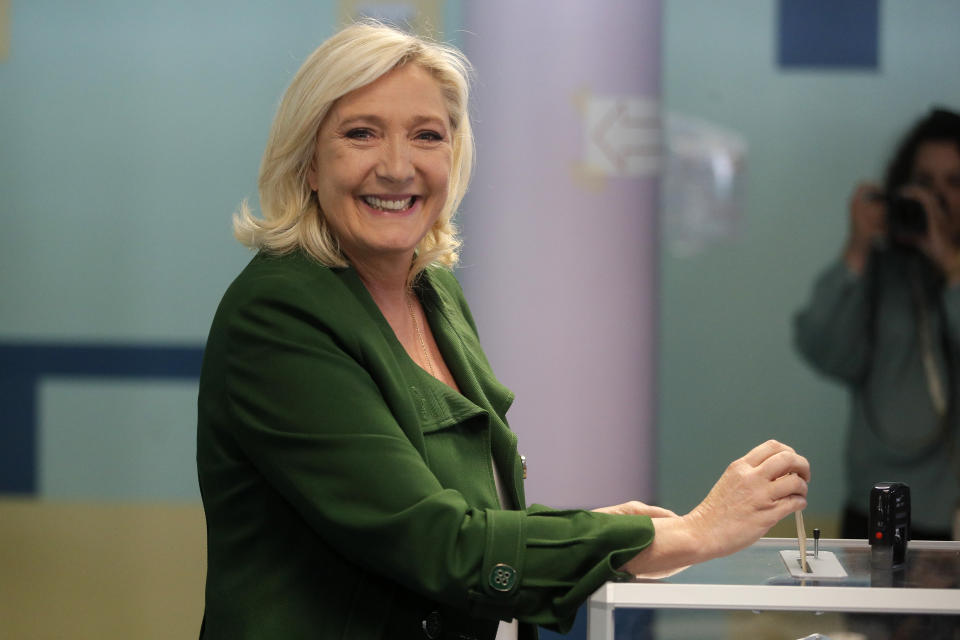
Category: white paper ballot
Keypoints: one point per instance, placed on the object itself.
(826, 567)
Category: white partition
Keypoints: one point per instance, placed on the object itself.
(560, 261)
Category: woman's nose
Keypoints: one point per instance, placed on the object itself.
(396, 162)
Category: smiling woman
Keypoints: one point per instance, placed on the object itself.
(350, 61)
(358, 474)
(381, 167)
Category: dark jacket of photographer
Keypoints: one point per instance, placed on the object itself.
(892, 336)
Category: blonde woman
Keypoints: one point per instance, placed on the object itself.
(358, 474)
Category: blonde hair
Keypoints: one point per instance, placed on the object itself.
(352, 58)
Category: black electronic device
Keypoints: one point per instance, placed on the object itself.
(906, 218)
(889, 528)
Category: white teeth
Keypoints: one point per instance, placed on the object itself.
(388, 205)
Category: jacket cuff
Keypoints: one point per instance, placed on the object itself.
(503, 556)
(502, 566)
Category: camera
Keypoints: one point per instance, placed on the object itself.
(906, 217)
(889, 528)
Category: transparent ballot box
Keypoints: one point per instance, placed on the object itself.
(754, 594)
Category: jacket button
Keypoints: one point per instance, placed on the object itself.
(432, 626)
(503, 577)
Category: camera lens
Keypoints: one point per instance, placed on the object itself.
(906, 218)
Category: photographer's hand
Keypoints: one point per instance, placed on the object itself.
(938, 244)
(867, 226)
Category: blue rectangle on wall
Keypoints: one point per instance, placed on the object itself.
(22, 365)
(838, 34)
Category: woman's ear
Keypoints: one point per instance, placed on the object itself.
(312, 174)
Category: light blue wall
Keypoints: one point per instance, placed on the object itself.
(129, 133)
(729, 375)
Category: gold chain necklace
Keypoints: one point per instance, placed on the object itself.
(423, 343)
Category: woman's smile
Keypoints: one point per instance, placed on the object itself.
(381, 168)
(390, 204)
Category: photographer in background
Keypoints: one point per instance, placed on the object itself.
(884, 319)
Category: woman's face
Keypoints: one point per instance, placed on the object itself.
(936, 166)
(382, 165)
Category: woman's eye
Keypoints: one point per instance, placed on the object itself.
(360, 133)
(431, 136)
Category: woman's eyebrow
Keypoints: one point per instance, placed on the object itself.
(378, 121)
(428, 119)
(361, 118)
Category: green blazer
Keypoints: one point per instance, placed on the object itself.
(349, 494)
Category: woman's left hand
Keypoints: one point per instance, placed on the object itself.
(637, 508)
(938, 244)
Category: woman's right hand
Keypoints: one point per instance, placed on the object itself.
(867, 225)
(753, 494)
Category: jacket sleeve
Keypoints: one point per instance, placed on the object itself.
(307, 411)
(833, 331)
